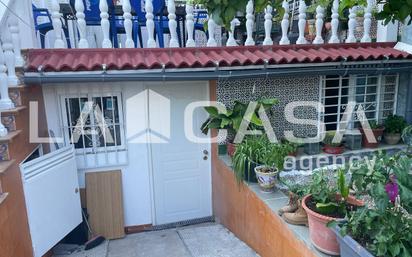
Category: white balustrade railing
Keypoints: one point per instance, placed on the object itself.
(191, 22)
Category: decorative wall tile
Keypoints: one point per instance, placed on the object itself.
(4, 152)
(9, 122)
(15, 96)
(285, 89)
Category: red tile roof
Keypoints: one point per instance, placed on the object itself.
(138, 58)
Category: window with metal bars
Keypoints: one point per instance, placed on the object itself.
(375, 93)
(93, 122)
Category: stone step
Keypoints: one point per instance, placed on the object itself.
(8, 117)
(4, 144)
(3, 197)
(5, 165)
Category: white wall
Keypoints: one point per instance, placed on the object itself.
(135, 174)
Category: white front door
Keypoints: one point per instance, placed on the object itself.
(181, 168)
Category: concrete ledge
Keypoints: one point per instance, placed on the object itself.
(252, 216)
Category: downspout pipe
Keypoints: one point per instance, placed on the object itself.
(114, 76)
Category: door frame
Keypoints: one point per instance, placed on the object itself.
(150, 149)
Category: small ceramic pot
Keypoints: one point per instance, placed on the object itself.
(392, 138)
(267, 181)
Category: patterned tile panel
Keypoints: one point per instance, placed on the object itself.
(9, 122)
(285, 89)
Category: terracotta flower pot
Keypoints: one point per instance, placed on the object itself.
(333, 149)
(322, 237)
(231, 149)
(266, 180)
(392, 138)
(378, 132)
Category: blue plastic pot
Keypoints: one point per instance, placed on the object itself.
(349, 247)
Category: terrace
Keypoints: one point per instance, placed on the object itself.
(124, 73)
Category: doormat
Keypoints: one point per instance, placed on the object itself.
(98, 251)
(214, 241)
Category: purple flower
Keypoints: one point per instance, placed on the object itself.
(392, 189)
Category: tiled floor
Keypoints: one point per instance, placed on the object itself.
(203, 240)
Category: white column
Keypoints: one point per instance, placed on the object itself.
(15, 35)
(302, 23)
(211, 26)
(268, 26)
(127, 16)
(5, 102)
(335, 22)
(367, 22)
(285, 24)
(250, 20)
(351, 26)
(151, 43)
(9, 57)
(319, 25)
(231, 40)
(105, 24)
(171, 9)
(190, 25)
(57, 24)
(81, 24)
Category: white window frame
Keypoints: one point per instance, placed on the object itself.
(90, 96)
(351, 95)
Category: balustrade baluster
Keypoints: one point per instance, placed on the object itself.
(211, 26)
(57, 24)
(105, 24)
(9, 57)
(231, 40)
(171, 9)
(367, 22)
(151, 43)
(5, 102)
(250, 20)
(127, 16)
(15, 36)
(285, 24)
(302, 23)
(81, 23)
(190, 26)
(319, 25)
(335, 22)
(351, 26)
(268, 26)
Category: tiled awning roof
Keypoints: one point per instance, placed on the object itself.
(58, 60)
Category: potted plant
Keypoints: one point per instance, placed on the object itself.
(329, 146)
(257, 151)
(394, 126)
(384, 228)
(272, 158)
(376, 130)
(232, 119)
(327, 202)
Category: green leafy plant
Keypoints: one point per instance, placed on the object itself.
(384, 227)
(260, 151)
(374, 124)
(395, 124)
(328, 140)
(232, 119)
(329, 196)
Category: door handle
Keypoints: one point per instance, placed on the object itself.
(205, 152)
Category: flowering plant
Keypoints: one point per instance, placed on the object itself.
(384, 226)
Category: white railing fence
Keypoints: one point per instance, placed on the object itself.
(173, 23)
